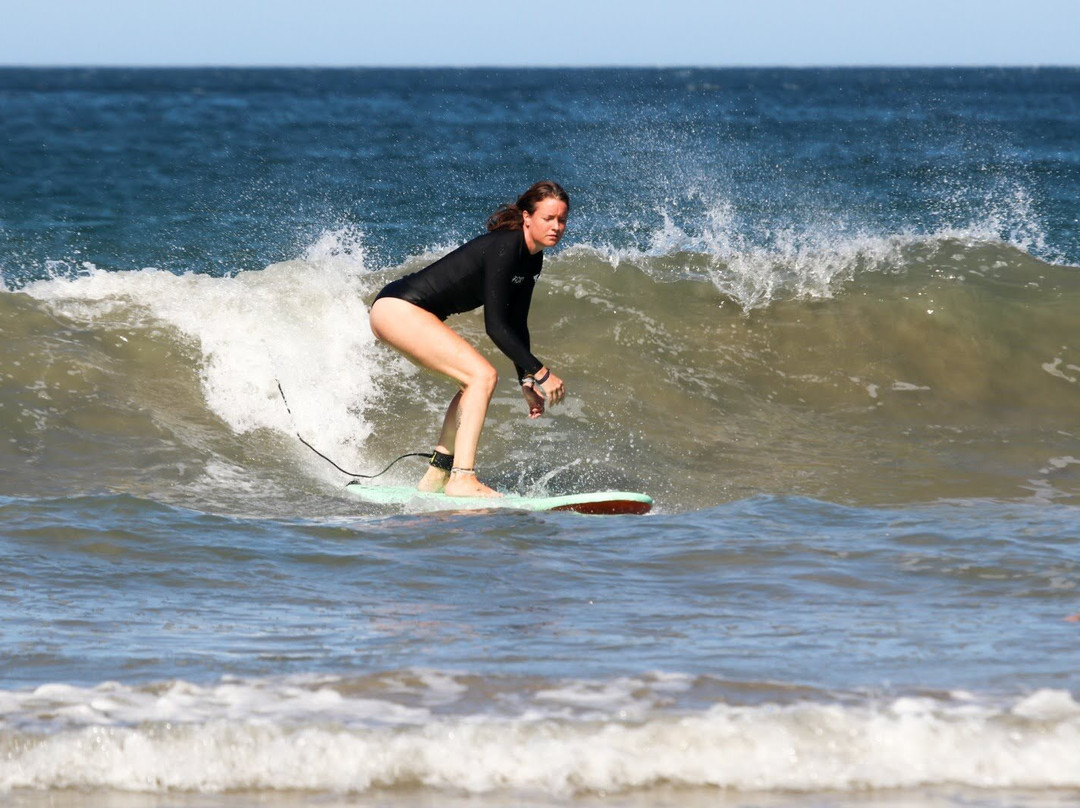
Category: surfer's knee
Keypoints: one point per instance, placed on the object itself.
(485, 379)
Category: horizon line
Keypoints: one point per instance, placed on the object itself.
(495, 66)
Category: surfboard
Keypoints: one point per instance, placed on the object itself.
(597, 503)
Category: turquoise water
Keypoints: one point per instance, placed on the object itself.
(826, 318)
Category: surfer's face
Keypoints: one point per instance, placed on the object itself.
(545, 225)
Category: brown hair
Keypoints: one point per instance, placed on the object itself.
(508, 217)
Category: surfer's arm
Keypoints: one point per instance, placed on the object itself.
(508, 294)
(519, 321)
(506, 315)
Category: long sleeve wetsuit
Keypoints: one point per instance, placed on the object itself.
(496, 271)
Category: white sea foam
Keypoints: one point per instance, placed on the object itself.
(757, 264)
(753, 275)
(301, 322)
(1062, 370)
(317, 735)
(1006, 213)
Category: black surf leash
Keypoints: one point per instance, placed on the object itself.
(331, 462)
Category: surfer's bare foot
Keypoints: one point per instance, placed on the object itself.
(433, 481)
(465, 484)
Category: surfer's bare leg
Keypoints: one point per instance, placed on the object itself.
(429, 342)
(435, 479)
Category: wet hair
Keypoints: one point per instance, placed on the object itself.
(508, 217)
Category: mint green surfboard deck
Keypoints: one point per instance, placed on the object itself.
(600, 502)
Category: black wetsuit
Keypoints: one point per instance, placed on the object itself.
(495, 271)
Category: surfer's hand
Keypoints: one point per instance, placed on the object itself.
(553, 389)
(534, 400)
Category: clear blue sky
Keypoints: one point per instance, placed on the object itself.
(531, 32)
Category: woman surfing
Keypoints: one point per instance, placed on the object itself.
(498, 271)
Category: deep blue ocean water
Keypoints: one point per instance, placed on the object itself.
(826, 318)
